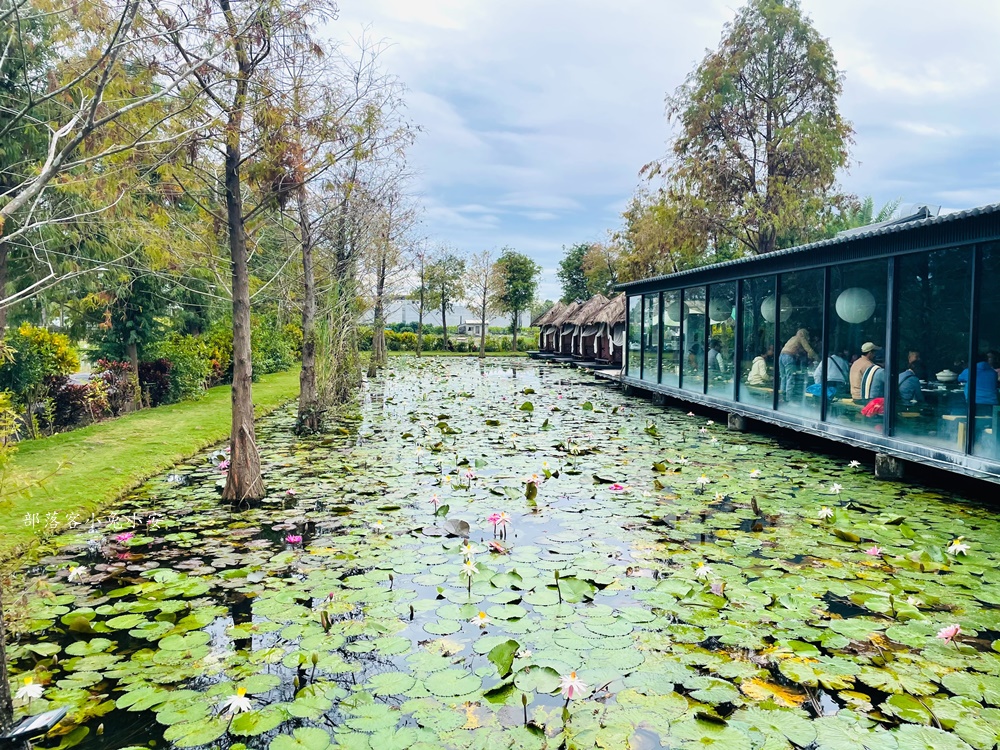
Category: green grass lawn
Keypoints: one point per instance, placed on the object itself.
(83, 470)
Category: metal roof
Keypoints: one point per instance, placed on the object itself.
(859, 237)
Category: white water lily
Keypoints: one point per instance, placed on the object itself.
(76, 573)
(570, 686)
(958, 547)
(468, 550)
(836, 488)
(683, 460)
(481, 619)
(702, 570)
(755, 474)
(469, 568)
(710, 422)
(855, 464)
(703, 480)
(523, 653)
(377, 526)
(825, 512)
(236, 704)
(29, 690)
(913, 601)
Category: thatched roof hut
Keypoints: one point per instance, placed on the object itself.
(613, 313)
(546, 317)
(584, 314)
(568, 312)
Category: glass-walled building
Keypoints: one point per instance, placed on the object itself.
(887, 338)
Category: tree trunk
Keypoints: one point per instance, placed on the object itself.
(132, 352)
(513, 327)
(4, 251)
(244, 480)
(309, 407)
(444, 323)
(482, 330)
(420, 310)
(6, 704)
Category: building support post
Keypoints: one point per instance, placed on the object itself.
(888, 467)
(737, 423)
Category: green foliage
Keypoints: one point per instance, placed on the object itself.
(190, 365)
(517, 281)
(760, 133)
(572, 276)
(36, 354)
(273, 347)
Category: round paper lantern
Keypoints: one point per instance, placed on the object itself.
(855, 305)
(767, 308)
(672, 315)
(720, 309)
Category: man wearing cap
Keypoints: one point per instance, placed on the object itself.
(866, 360)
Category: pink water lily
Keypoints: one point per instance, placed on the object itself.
(293, 539)
(291, 493)
(494, 518)
(616, 487)
(874, 551)
(570, 686)
(435, 501)
(949, 633)
(125, 537)
(224, 466)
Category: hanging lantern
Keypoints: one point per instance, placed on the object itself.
(720, 309)
(855, 305)
(767, 308)
(672, 314)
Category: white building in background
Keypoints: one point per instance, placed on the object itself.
(405, 311)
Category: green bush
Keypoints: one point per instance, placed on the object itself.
(191, 365)
(272, 347)
(35, 354)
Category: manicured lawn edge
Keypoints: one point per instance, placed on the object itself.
(84, 470)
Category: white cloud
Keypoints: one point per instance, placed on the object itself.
(537, 116)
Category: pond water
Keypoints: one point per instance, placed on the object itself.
(689, 577)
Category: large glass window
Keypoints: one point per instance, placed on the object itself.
(671, 360)
(722, 339)
(650, 337)
(632, 363)
(987, 435)
(933, 343)
(693, 325)
(756, 361)
(857, 318)
(800, 316)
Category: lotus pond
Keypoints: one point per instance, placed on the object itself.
(707, 588)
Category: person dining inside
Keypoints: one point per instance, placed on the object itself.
(986, 384)
(758, 374)
(796, 352)
(861, 366)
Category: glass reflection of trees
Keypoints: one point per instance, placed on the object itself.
(651, 337)
(693, 325)
(670, 369)
(633, 361)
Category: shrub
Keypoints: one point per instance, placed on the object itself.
(190, 367)
(154, 378)
(118, 384)
(74, 404)
(219, 343)
(35, 354)
(271, 348)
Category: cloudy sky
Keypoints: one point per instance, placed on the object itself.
(537, 115)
